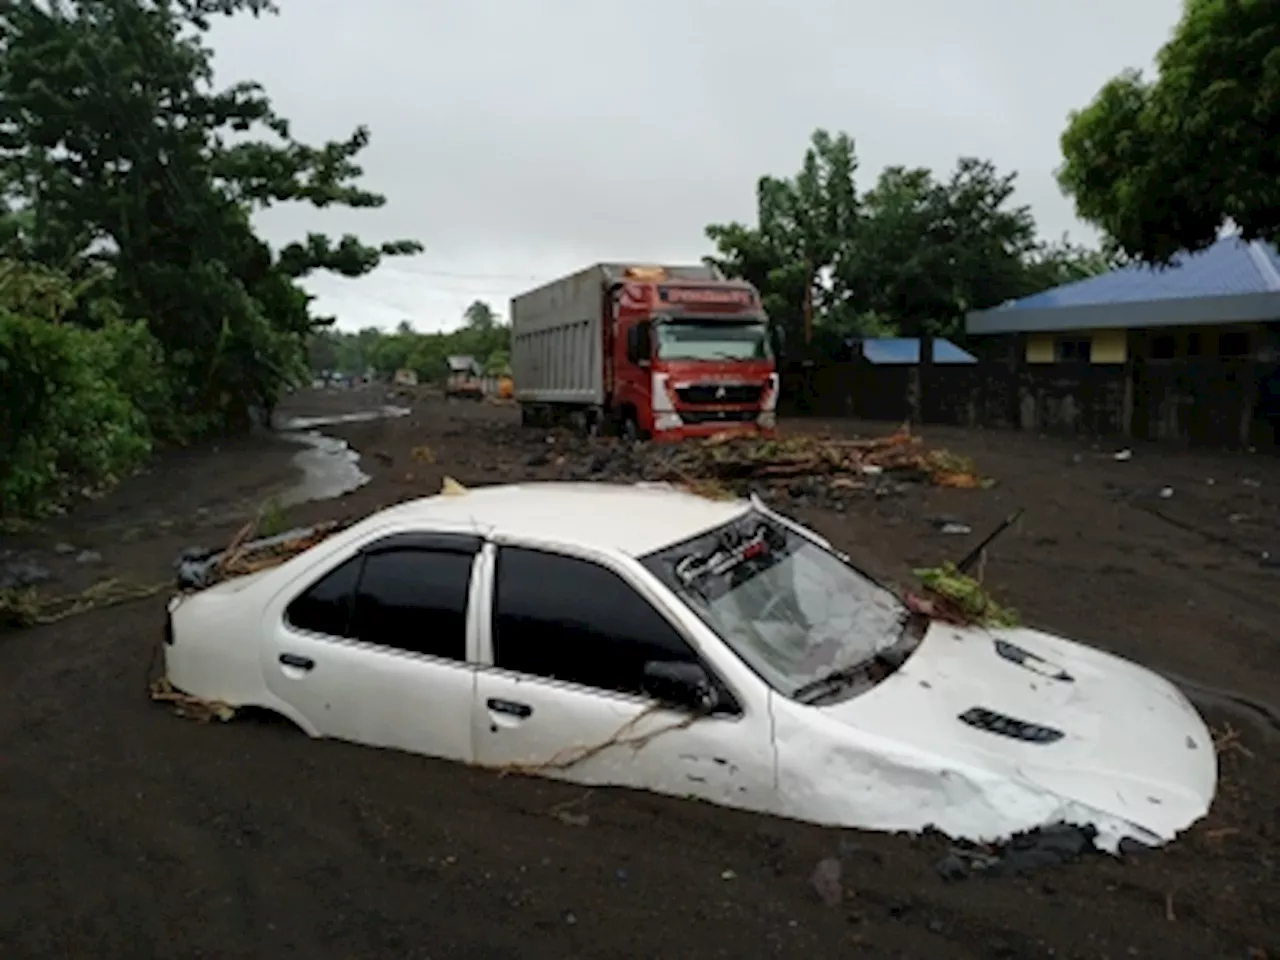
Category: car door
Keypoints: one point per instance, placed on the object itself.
(374, 649)
(565, 696)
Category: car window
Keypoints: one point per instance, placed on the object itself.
(414, 600)
(409, 599)
(573, 620)
(326, 606)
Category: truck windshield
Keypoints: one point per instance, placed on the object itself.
(792, 610)
(717, 340)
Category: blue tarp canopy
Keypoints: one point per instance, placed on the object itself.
(906, 350)
(1232, 281)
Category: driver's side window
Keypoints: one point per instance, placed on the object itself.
(573, 620)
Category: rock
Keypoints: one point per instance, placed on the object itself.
(22, 573)
(1024, 853)
(86, 557)
(63, 549)
(952, 867)
(826, 881)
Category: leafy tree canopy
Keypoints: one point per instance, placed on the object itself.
(912, 255)
(480, 316)
(1161, 166)
(120, 159)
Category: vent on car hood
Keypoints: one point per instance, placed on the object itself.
(1033, 662)
(1005, 726)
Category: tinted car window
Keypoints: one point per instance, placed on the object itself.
(414, 600)
(572, 620)
(326, 606)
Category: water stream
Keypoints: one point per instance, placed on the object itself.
(329, 467)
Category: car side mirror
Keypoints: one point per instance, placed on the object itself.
(684, 684)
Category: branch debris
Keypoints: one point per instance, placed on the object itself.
(1226, 739)
(729, 460)
(573, 755)
(26, 607)
(185, 705)
(957, 598)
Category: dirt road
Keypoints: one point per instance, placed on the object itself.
(128, 832)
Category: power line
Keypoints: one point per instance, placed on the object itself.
(523, 277)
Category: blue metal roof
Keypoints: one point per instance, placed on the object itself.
(906, 350)
(1231, 281)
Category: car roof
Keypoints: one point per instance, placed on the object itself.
(633, 519)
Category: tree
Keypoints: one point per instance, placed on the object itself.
(124, 158)
(913, 255)
(929, 251)
(1162, 166)
(803, 225)
(480, 316)
(1061, 262)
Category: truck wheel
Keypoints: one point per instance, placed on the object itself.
(630, 429)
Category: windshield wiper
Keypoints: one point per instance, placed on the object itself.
(830, 683)
(889, 659)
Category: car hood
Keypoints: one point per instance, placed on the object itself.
(1030, 708)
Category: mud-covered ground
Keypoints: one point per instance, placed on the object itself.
(128, 832)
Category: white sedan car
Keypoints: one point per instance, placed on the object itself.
(645, 637)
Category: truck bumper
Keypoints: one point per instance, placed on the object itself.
(667, 429)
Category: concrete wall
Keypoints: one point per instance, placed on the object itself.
(1207, 401)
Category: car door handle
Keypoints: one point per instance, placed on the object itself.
(510, 707)
(293, 660)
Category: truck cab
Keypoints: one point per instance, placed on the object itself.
(692, 360)
(463, 382)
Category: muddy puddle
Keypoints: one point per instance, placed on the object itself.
(329, 467)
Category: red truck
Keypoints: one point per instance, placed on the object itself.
(652, 352)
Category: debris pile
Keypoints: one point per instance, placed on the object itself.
(851, 464)
(816, 469)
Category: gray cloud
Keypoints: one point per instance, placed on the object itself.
(520, 139)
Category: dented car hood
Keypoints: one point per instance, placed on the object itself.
(1041, 729)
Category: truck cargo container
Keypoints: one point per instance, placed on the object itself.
(667, 352)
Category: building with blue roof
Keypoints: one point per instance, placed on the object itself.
(1223, 301)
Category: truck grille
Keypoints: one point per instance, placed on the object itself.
(718, 416)
(709, 393)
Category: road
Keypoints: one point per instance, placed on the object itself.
(129, 832)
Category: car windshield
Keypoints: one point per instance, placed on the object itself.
(794, 611)
(721, 340)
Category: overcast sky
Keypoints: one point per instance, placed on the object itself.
(521, 140)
